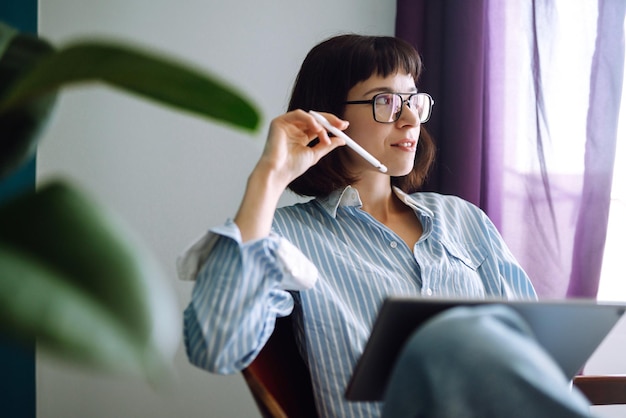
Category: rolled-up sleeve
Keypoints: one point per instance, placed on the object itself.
(240, 289)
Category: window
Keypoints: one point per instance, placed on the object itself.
(613, 278)
(546, 122)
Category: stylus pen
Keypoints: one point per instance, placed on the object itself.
(349, 142)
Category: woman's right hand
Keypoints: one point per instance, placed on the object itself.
(286, 156)
(287, 152)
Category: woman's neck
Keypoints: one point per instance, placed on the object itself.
(380, 201)
(378, 198)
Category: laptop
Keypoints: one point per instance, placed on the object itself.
(569, 330)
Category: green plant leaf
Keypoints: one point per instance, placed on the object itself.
(74, 279)
(136, 71)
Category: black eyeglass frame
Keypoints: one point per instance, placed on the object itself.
(404, 101)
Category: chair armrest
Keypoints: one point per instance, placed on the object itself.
(267, 404)
(603, 390)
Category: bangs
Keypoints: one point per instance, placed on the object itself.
(384, 56)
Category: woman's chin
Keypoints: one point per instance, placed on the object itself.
(399, 171)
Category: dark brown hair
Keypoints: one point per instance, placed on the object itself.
(328, 72)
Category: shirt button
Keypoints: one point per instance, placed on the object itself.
(393, 244)
(429, 292)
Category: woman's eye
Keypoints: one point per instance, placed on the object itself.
(383, 100)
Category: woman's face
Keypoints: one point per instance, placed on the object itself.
(393, 144)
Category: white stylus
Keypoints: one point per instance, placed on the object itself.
(349, 141)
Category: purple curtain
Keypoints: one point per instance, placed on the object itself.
(451, 37)
(488, 66)
(605, 94)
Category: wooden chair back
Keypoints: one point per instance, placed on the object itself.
(279, 379)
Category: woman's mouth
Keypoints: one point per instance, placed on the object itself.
(405, 144)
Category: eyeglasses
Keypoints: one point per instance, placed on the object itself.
(387, 107)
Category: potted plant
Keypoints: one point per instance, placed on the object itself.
(71, 276)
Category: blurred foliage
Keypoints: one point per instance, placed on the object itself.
(72, 277)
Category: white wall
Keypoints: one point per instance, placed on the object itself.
(168, 174)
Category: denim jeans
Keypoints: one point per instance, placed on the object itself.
(479, 362)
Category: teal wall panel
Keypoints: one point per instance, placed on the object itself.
(17, 361)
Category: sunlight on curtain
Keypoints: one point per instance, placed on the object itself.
(613, 278)
(542, 243)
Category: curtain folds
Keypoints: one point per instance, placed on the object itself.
(526, 107)
(602, 120)
(452, 38)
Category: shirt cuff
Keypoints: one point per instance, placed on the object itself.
(298, 272)
(189, 263)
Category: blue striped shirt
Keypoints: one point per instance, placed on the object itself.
(242, 287)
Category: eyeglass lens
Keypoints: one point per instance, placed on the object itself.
(388, 106)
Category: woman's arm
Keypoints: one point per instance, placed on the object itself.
(240, 284)
(234, 303)
(285, 157)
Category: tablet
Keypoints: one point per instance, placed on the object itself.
(569, 330)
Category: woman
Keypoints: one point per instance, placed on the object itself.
(366, 235)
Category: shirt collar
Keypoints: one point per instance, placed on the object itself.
(412, 202)
(349, 196)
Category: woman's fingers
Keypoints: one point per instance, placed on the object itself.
(296, 141)
(311, 127)
(335, 121)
